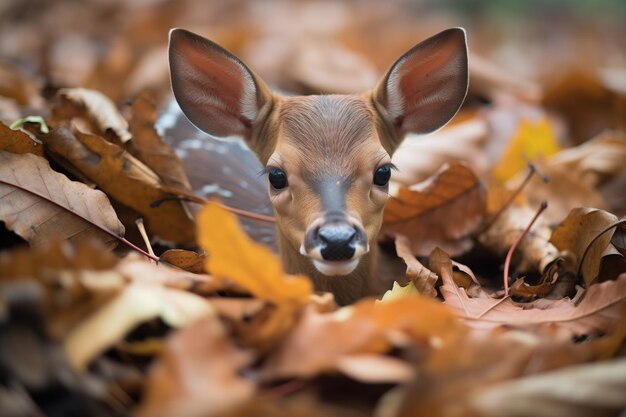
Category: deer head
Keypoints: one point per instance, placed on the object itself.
(327, 157)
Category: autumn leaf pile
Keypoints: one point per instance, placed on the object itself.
(483, 319)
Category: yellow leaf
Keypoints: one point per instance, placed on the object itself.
(398, 291)
(531, 140)
(233, 255)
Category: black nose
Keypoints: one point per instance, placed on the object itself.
(338, 241)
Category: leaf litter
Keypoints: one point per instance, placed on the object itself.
(216, 327)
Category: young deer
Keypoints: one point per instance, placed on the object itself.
(327, 157)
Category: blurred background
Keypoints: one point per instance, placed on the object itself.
(306, 46)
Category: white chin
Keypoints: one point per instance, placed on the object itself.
(332, 268)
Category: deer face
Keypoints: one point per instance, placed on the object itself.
(328, 158)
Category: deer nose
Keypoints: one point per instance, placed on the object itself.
(338, 241)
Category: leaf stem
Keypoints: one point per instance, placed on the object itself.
(507, 261)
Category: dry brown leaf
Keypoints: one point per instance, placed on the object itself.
(363, 328)
(137, 269)
(40, 204)
(101, 109)
(578, 391)
(18, 141)
(124, 179)
(598, 312)
(135, 304)
(185, 259)
(588, 105)
(422, 278)
(534, 252)
(197, 375)
(595, 161)
(564, 191)
(18, 86)
(149, 147)
(441, 211)
(577, 231)
(419, 156)
(328, 67)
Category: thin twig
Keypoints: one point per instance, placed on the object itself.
(144, 236)
(532, 171)
(178, 194)
(507, 261)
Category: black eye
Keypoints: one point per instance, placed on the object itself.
(278, 179)
(382, 175)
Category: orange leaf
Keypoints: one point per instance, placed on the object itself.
(441, 211)
(232, 254)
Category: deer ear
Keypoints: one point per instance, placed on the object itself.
(425, 88)
(214, 89)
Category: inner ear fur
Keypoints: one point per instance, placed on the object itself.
(217, 92)
(426, 86)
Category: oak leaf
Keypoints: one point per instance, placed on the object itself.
(598, 312)
(40, 204)
(422, 279)
(441, 211)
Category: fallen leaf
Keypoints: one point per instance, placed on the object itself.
(587, 104)
(101, 109)
(597, 313)
(135, 304)
(418, 156)
(248, 264)
(576, 233)
(197, 375)
(149, 147)
(375, 369)
(422, 279)
(442, 211)
(595, 161)
(363, 328)
(185, 259)
(563, 191)
(40, 204)
(399, 291)
(534, 252)
(577, 391)
(125, 179)
(531, 140)
(19, 141)
(137, 269)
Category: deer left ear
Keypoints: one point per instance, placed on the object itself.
(425, 88)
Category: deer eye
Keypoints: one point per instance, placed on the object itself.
(382, 175)
(277, 177)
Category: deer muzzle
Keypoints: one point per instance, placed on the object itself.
(335, 242)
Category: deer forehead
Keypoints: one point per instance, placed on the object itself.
(328, 136)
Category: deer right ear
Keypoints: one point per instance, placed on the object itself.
(214, 89)
(425, 88)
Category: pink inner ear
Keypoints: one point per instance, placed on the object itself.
(426, 88)
(214, 90)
